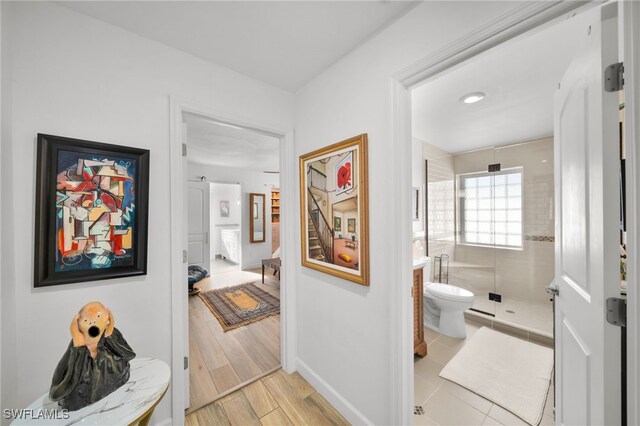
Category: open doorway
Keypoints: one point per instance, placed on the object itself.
(232, 180)
(226, 232)
(495, 169)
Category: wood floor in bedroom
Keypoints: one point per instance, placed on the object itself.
(220, 362)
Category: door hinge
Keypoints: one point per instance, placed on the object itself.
(186, 362)
(614, 77)
(184, 149)
(617, 311)
(185, 256)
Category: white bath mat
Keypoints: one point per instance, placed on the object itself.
(508, 371)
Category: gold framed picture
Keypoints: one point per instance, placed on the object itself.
(333, 184)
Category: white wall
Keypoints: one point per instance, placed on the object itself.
(250, 181)
(344, 329)
(75, 76)
(223, 192)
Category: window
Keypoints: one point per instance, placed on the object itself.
(491, 208)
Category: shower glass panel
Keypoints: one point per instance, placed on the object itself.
(525, 263)
(473, 263)
(496, 227)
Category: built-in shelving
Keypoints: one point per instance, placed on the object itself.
(275, 205)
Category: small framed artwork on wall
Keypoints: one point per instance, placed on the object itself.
(333, 187)
(224, 208)
(351, 225)
(91, 211)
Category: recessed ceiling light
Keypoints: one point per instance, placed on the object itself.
(473, 97)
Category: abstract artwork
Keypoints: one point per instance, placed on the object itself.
(91, 211)
(333, 189)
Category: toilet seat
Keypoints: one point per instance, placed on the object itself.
(448, 292)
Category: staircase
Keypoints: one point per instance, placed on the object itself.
(320, 232)
(315, 248)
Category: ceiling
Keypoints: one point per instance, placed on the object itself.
(519, 79)
(347, 205)
(216, 144)
(283, 43)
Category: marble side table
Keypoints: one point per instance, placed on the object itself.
(131, 404)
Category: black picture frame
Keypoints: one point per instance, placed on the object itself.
(46, 234)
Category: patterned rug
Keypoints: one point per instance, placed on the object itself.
(240, 305)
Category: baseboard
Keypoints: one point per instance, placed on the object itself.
(330, 394)
(166, 422)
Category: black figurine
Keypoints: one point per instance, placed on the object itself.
(96, 362)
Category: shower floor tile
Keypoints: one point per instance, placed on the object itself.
(535, 316)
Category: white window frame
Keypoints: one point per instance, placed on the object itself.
(461, 195)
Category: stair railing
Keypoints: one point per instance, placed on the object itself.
(323, 229)
(316, 178)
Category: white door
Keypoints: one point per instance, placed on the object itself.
(587, 237)
(198, 225)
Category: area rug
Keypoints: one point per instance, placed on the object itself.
(508, 371)
(240, 304)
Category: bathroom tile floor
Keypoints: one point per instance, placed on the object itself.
(446, 403)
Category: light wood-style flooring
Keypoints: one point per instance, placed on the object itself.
(277, 399)
(220, 362)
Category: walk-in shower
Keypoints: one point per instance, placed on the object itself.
(491, 212)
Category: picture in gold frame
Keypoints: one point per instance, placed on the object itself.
(333, 184)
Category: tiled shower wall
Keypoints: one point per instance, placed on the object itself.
(519, 274)
(440, 202)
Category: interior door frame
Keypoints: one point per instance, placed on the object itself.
(631, 36)
(522, 19)
(179, 299)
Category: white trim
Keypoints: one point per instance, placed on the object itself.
(1, 202)
(289, 257)
(631, 35)
(179, 106)
(520, 19)
(339, 402)
(402, 262)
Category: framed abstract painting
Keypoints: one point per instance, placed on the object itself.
(91, 211)
(333, 190)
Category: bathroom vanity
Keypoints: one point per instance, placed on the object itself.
(419, 344)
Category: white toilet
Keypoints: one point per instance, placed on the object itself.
(444, 306)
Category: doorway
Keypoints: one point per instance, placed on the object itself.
(403, 106)
(232, 174)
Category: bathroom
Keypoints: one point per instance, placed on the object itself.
(484, 232)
